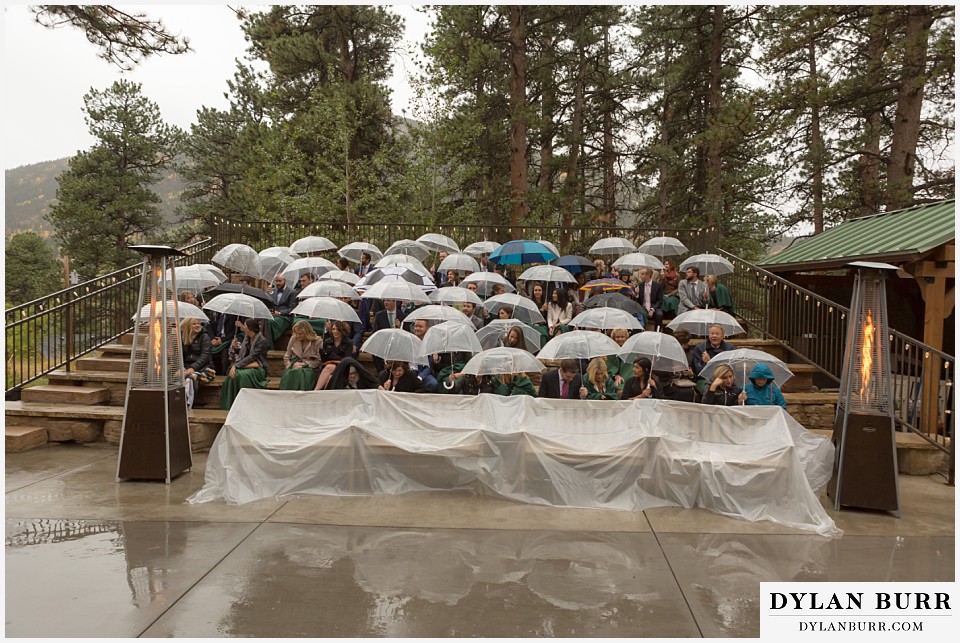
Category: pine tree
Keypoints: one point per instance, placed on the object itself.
(31, 269)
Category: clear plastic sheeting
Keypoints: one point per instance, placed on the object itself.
(754, 463)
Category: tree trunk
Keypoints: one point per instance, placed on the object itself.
(545, 180)
(816, 143)
(576, 136)
(870, 157)
(609, 185)
(714, 194)
(906, 126)
(518, 130)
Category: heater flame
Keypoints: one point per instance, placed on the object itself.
(157, 330)
(866, 361)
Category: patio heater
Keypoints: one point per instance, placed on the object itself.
(155, 437)
(865, 466)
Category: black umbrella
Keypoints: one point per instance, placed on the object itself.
(574, 263)
(614, 300)
(256, 293)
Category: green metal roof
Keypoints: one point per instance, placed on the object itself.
(894, 237)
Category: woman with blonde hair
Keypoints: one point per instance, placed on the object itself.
(301, 358)
(723, 389)
(598, 384)
(618, 369)
(197, 357)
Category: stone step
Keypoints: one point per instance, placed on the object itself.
(60, 394)
(116, 364)
(21, 438)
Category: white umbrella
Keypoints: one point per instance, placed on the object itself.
(281, 252)
(435, 312)
(523, 309)
(184, 310)
(492, 334)
(638, 260)
(274, 260)
(663, 247)
(394, 344)
(353, 251)
(408, 247)
(502, 360)
(579, 344)
(450, 337)
(240, 258)
(240, 305)
(613, 246)
(328, 288)
(478, 248)
(326, 308)
(349, 278)
(316, 265)
(460, 262)
(212, 268)
(708, 264)
(397, 273)
(698, 322)
(547, 273)
(485, 281)
(400, 260)
(194, 278)
(550, 246)
(606, 318)
(438, 242)
(664, 351)
(455, 295)
(396, 289)
(743, 360)
(312, 244)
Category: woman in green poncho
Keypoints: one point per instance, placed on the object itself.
(249, 368)
(719, 295)
(618, 369)
(598, 384)
(301, 359)
(511, 384)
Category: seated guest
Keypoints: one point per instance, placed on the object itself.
(719, 295)
(398, 377)
(641, 386)
(301, 358)
(683, 337)
(562, 383)
(450, 377)
(598, 385)
(343, 264)
(723, 390)
(513, 338)
(667, 388)
(197, 357)
(334, 348)
(351, 374)
(650, 296)
(425, 372)
(284, 300)
(559, 312)
(505, 312)
(512, 384)
(223, 330)
(305, 280)
(711, 347)
(470, 310)
(497, 289)
(249, 358)
(618, 369)
(451, 280)
(390, 317)
(538, 296)
(670, 281)
(761, 390)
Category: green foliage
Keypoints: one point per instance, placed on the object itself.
(31, 269)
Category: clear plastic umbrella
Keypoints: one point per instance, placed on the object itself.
(743, 360)
(708, 264)
(194, 278)
(450, 337)
(485, 281)
(579, 344)
(663, 247)
(478, 248)
(312, 244)
(698, 322)
(342, 276)
(353, 251)
(326, 308)
(638, 260)
(523, 309)
(612, 246)
(547, 273)
(396, 289)
(502, 360)
(438, 242)
(455, 295)
(606, 319)
(240, 305)
(239, 257)
(212, 268)
(436, 312)
(184, 310)
(394, 344)
(459, 262)
(315, 265)
(400, 260)
(394, 273)
(274, 260)
(493, 333)
(663, 351)
(408, 247)
(328, 288)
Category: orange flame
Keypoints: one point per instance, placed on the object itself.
(157, 331)
(866, 361)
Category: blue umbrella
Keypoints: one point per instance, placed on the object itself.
(574, 263)
(521, 251)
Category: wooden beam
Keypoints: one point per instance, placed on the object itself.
(931, 269)
(934, 297)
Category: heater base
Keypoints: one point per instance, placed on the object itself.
(867, 473)
(143, 451)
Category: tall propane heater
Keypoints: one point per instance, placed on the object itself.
(155, 437)
(865, 467)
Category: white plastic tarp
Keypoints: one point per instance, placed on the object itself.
(755, 462)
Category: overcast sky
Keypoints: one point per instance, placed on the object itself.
(48, 71)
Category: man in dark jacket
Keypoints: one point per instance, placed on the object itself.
(562, 383)
(284, 300)
(650, 296)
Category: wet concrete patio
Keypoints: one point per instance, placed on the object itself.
(87, 556)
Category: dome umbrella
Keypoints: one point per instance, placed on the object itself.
(212, 268)
(547, 273)
(606, 319)
(342, 276)
(394, 345)
(638, 261)
(452, 295)
(478, 248)
(274, 260)
(184, 311)
(485, 281)
(193, 278)
(663, 247)
(328, 288)
(436, 312)
(314, 265)
(521, 251)
(396, 289)
(708, 264)
(438, 243)
(502, 360)
(607, 284)
(404, 273)
(698, 322)
(239, 304)
(228, 288)
(493, 333)
(400, 260)
(408, 247)
(459, 262)
(614, 300)
(312, 244)
(742, 360)
(450, 337)
(574, 264)
(579, 344)
(353, 251)
(240, 258)
(612, 246)
(664, 351)
(326, 308)
(523, 309)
